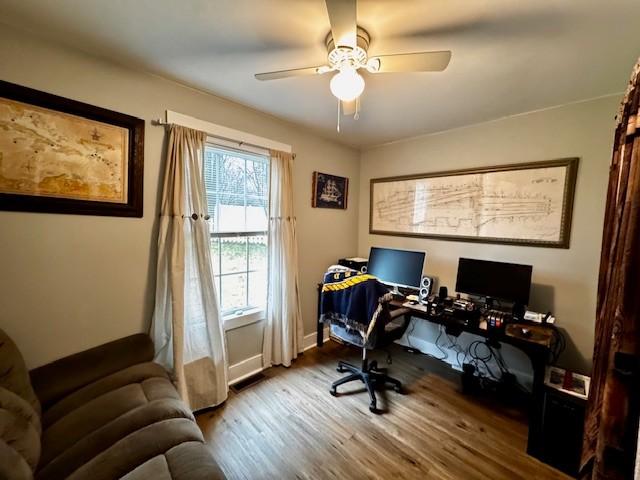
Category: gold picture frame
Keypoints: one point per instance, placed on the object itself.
(529, 204)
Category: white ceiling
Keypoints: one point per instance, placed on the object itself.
(508, 56)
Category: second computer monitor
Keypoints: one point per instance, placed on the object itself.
(402, 268)
(504, 281)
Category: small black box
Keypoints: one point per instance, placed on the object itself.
(354, 263)
(562, 429)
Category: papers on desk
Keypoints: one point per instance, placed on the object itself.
(415, 306)
(357, 259)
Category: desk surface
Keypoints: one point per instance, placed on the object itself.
(541, 336)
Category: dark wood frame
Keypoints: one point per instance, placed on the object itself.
(314, 186)
(567, 212)
(135, 126)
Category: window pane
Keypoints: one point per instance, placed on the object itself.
(232, 175)
(258, 289)
(231, 213)
(257, 214)
(258, 252)
(234, 254)
(237, 185)
(212, 209)
(215, 255)
(234, 292)
(257, 177)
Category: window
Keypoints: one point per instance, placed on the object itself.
(237, 196)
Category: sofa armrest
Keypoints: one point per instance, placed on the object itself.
(57, 379)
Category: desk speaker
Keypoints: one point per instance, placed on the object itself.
(426, 285)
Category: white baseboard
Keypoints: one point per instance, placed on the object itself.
(252, 365)
(309, 341)
(244, 369)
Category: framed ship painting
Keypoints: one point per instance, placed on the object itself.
(329, 191)
(521, 204)
(62, 156)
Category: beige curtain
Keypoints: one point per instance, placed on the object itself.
(283, 326)
(187, 328)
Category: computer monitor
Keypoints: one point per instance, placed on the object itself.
(504, 281)
(400, 268)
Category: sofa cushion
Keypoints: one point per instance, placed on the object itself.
(187, 461)
(58, 379)
(100, 440)
(13, 466)
(19, 429)
(98, 412)
(137, 448)
(20, 407)
(13, 372)
(131, 375)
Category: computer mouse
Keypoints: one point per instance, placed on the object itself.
(526, 332)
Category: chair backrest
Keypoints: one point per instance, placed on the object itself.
(380, 334)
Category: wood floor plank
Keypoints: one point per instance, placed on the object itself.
(289, 427)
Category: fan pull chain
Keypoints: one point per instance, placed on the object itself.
(356, 115)
(338, 127)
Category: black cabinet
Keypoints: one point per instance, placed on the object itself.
(562, 429)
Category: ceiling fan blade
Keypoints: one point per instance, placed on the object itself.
(349, 108)
(342, 17)
(295, 72)
(412, 62)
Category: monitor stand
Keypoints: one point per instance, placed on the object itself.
(394, 290)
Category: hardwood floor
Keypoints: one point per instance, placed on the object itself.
(289, 427)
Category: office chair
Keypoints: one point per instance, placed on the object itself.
(388, 326)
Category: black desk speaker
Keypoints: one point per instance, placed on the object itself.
(443, 293)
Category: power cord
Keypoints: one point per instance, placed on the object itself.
(455, 346)
(415, 350)
(558, 344)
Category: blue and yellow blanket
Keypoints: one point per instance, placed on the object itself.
(352, 299)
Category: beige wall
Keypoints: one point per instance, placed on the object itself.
(69, 282)
(564, 281)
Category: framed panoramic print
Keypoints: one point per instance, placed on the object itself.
(521, 204)
(329, 191)
(62, 156)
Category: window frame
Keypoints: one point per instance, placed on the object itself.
(249, 316)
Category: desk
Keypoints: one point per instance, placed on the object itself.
(537, 349)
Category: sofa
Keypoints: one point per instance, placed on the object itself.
(105, 413)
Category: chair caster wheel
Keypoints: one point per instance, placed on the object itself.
(333, 392)
(398, 390)
(372, 408)
(340, 369)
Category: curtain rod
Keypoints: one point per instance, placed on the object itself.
(162, 123)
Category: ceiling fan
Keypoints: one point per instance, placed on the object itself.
(347, 47)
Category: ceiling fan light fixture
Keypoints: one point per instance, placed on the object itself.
(347, 84)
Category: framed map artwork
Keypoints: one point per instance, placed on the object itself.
(522, 204)
(62, 156)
